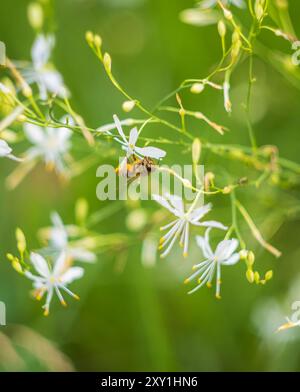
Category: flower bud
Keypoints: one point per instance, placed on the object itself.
(250, 276)
(221, 28)
(250, 258)
(269, 275)
(127, 106)
(89, 36)
(98, 41)
(197, 88)
(35, 15)
(107, 62)
(196, 150)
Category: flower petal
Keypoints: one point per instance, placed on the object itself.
(60, 264)
(41, 50)
(151, 152)
(133, 136)
(203, 243)
(72, 274)
(4, 148)
(81, 254)
(215, 224)
(34, 133)
(40, 264)
(119, 128)
(226, 248)
(232, 260)
(165, 203)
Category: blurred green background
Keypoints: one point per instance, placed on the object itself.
(142, 319)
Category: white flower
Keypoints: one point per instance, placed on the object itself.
(181, 225)
(212, 3)
(223, 255)
(130, 145)
(52, 280)
(42, 72)
(50, 144)
(59, 242)
(6, 151)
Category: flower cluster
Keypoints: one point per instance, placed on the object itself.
(37, 111)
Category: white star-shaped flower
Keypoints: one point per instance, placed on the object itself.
(41, 72)
(223, 255)
(180, 227)
(52, 280)
(130, 145)
(212, 3)
(50, 144)
(59, 242)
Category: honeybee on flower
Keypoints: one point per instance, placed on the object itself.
(133, 152)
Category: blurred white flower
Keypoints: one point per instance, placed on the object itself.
(130, 145)
(41, 71)
(223, 255)
(199, 17)
(50, 144)
(211, 3)
(52, 280)
(6, 151)
(59, 242)
(181, 225)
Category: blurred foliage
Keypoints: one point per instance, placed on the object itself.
(131, 317)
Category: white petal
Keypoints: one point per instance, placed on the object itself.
(232, 260)
(215, 224)
(133, 136)
(4, 148)
(54, 83)
(151, 152)
(34, 133)
(40, 264)
(72, 274)
(80, 254)
(119, 128)
(203, 243)
(163, 202)
(177, 203)
(226, 248)
(60, 264)
(198, 213)
(41, 50)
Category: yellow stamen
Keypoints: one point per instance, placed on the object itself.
(76, 297)
(185, 254)
(219, 281)
(46, 312)
(209, 285)
(63, 302)
(199, 280)
(187, 280)
(194, 267)
(218, 296)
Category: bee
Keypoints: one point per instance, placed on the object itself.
(136, 168)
